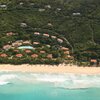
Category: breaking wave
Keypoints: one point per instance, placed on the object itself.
(5, 79)
(70, 81)
(66, 81)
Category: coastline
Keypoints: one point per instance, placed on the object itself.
(50, 69)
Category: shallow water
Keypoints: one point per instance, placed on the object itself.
(38, 86)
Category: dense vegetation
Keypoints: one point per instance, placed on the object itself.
(78, 21)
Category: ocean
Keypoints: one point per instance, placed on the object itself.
(39, 86)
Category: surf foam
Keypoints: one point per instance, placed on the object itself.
(5, 79)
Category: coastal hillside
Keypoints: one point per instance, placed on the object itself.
(51, 31)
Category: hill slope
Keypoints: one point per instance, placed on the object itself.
(76, 20)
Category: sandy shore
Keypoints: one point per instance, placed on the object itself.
(50, 69)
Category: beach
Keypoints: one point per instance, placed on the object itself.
(62, 68)
(49, 82)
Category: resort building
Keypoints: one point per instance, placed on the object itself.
(48, 46)
(23, 25)
(53, 37)
(47, 35)
(3, 55)
(41, 10)
(67, 52)
(21, 3)
(49, 56)
(42, 52)
(10, 34)
(34, 55)
(64, 48)
(93, 62)
(6, 47)
(60, 40)
(76, 14)
(19, 55)
(36, 43)
(16, 44)
(36, 33)
(59, 9)
(27, 42)
(49, 24)
(48, 6)
(3, 7)
(28, 51)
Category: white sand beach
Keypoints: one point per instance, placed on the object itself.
(50, 69)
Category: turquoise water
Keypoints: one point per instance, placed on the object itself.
(25, 47)
(38, 86)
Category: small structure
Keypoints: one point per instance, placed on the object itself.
(67, 52)
(46, 35)
(34, 55)
(15, 44)
(23, 25)
(48, 46)
(42, 52)
(36, 43)
(64, 48)
(93, 62)
(6, 47)
(19, 55)
(10, 34)
(36, 33)
(16, 50)
(3, 55)
(53, 37)
(41, 10)
(27, 42)
(76, 14)
(28, 51)
(19, 41)
(50, 24)
(60, 40)
(49, 56)
(9, 42)
(3, 7)
(58, 9)
(48, 6)
(21, 3)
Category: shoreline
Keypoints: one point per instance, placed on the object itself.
(60, 69)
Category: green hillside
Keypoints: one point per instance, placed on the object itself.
(76, 22)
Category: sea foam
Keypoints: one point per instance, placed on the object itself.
(70, 81)
(66, 81)
(5, 78)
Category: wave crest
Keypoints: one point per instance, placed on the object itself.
(4, 79)
(70, 81)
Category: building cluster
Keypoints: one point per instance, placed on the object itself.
(26, 48)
